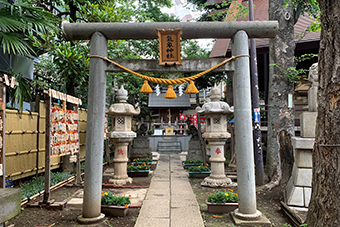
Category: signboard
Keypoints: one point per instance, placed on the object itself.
(169, 131)
(169, 47)
(158, 132)
(257, 115)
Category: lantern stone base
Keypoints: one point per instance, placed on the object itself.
(121, 181)
(217, 182)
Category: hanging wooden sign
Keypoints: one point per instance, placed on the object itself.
(169, 47)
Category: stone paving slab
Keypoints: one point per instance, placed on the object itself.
(186, 217)
(152, 222)
(155, 208)
(158, 194)
(170, 200)
(182, 200)
(159, 185)
(181, 188)
(75, 204)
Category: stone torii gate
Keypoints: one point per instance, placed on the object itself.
(100, 33)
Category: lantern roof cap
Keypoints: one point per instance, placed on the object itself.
(215, 106)
(122, 107)
(122, 94)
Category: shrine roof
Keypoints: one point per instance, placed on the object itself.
(159, 101)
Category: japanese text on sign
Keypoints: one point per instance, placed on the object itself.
(169, 47)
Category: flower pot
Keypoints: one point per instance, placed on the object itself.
(118, 211)
(140, 173)
(188, 165)
(199, 174)
(216, 208)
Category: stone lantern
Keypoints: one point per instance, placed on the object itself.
(216, 134)
(121, 135)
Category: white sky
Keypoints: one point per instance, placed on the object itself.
(186, 12)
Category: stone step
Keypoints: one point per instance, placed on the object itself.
(169, 149)
(170, 152)
(160, 143)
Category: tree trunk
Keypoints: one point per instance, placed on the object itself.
(280, 117)
(324, 207)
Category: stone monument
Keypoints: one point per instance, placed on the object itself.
(121, 135)
(216, 134)
(140, 148)
(194, 151)
(299, 187)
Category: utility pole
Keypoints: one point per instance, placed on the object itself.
(259, 172)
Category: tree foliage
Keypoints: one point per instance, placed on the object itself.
(303, 6)
(71, 57)
(225, 10)
(21, 21)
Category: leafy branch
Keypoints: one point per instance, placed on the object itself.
(292, 73)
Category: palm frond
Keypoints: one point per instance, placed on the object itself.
(14, 43)
(10, 23)
(24, 21)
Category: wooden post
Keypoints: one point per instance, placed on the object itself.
(47, 149)
(37, 109)
(2, 153)
(78, 169)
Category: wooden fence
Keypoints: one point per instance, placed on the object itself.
(25, 142)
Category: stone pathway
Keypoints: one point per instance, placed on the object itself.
(170, 200)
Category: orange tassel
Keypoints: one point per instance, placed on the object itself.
(146, 89)
(170, 93)
(191, 89)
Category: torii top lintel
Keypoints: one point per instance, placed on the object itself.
(190, 30)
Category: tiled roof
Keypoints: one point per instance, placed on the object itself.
(261, 14)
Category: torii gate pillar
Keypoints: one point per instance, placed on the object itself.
(246, 212)
(95, 132)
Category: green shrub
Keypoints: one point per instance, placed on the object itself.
(223, 197)
(137, 168)
(142, 160)
(111, 200)
(198, 161)
(199, 169)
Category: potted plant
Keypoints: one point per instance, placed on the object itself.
(222, 202)
(188, 163)
(150, 132)
(199, 171)
(114, 205)
(138, 170)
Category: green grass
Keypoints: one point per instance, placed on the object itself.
(37, 184)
